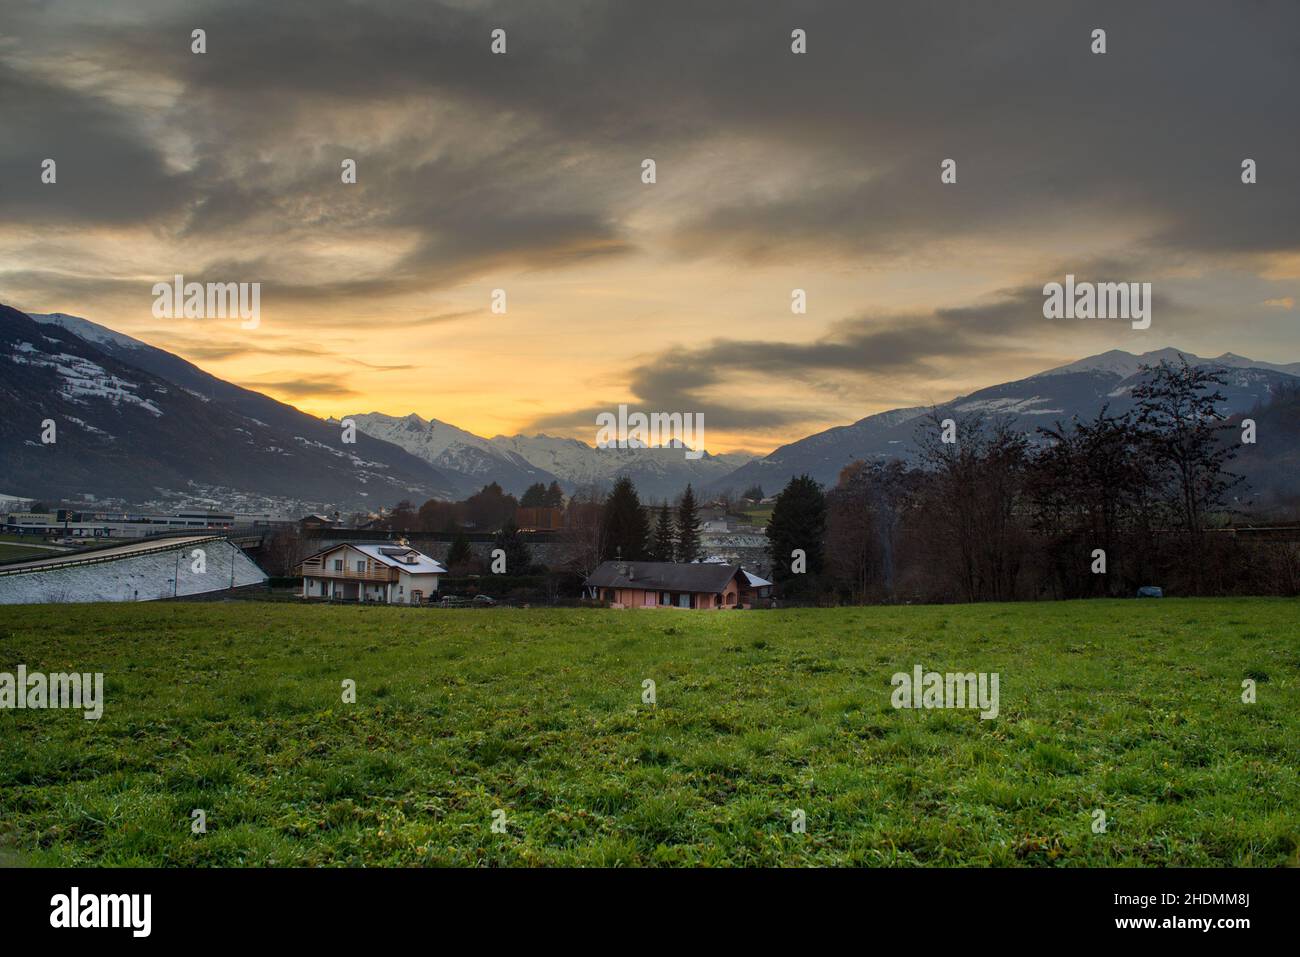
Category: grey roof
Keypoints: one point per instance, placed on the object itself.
(664, 576)
(392, 555)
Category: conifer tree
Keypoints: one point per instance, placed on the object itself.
(688, 528)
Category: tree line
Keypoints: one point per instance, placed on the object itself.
(1090, 508)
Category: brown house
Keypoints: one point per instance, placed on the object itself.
(677, 585)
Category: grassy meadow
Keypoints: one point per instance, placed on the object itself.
(1132, 708)
(15, 548)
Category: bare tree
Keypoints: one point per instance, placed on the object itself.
(581, 546)
(282, 550)
(1179, 421)
(973, 501)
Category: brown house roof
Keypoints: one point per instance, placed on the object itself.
(665, 576)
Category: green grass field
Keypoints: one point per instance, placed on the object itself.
(1132, 708)
(13, 548)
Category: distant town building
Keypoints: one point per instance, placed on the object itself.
(321, 521)
(67, 523)
(10, 503)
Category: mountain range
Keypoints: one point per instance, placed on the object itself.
(1080, 389)
(139, 424)
(516, 461)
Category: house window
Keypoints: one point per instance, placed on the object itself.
(361, 566)
(684, 600)
(664, 598)
(338, 564)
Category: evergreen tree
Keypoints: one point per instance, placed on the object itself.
(798, 522)
(665, 546)
(459, 555)
(554, 496)
(489, 508)
(688, 528)
(534, 496)
(518, 558)
(624, 528)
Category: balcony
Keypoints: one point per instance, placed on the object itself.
(350, 574)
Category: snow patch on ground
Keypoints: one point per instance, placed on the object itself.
(83, 380)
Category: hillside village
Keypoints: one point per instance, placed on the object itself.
(69, 555)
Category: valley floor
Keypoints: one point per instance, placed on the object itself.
(1122, 713)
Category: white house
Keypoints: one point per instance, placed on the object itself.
(391, 573)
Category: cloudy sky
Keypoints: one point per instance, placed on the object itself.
(775, 171)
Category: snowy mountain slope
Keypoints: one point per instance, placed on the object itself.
(134, 417)
(1125, 364)
(465, 458)
(1080, 388)
(659, 473)
(134, 422)
(87, 331)
(517, 461)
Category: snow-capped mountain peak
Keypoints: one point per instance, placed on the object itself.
(473, 460)
(88, 331)
(1121, 363)
(517, 461)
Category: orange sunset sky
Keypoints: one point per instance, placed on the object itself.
(522, 172)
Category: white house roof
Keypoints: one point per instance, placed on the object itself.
(392, 556)
(754, 580)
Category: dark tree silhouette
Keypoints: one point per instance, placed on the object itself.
(554, 496)
(459, 556)
(665, 544)
(972, 502)
(798, 522)
(1179, 421)
(624, 528)
(688, 527)
(518, 557)
(534, 496)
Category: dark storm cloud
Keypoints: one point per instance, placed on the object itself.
(94, 151)
(1047, 136)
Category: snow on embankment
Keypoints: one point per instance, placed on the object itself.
(162, 572)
